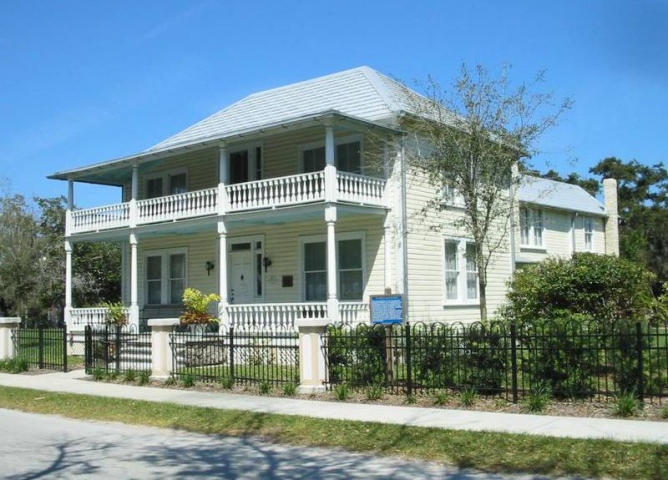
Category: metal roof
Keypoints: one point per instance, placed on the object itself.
(564, 196)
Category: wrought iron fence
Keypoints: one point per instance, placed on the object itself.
(237, 356)
(43, 348)
(115, 349)
(567, 359)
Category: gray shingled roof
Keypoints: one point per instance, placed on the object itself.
(550, 193)
(360, 92)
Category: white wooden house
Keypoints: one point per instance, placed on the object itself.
(291, 202)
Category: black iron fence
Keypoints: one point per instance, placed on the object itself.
(567, 359)
(114, 349)
(44, 348)
(236, 356)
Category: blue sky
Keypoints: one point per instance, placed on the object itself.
(82, 81)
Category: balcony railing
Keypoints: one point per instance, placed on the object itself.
(262, 194)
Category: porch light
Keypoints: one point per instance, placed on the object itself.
(209, 267)
(266, 263)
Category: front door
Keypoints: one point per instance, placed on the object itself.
(242, 277)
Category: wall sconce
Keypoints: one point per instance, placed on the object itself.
(209, 267)
(266, 263)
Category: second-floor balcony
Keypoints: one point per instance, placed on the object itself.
(265, 194)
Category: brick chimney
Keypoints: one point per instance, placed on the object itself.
(612, 222)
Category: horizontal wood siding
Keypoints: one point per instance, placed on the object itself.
(201, 167)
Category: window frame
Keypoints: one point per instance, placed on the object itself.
(462, 273)
(337, 141)
(252, 151)
(529, 227)
(450, 197)
(165, 274)
(588, 221)
(322, 238)
(165, 175)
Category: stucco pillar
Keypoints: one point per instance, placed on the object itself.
(312, 365)
(134, 282)
(222, 276)
(332, 298)
(161, 350)
(7, 324)
(612, 222)
(68, 282)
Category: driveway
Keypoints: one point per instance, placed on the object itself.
(39, 446)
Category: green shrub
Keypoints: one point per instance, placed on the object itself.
(468, 396)
(625, 405)
(129, 376)
(537, 399)
(195, 307)
(264, 388)
(188, 380)
(112, 376)
(410, 399)
(144, 377)
(116, 313)
(289, 389)
(440, 398)
(375, 391)
(356, 356)
(342, 392)
(664, 413)
(226, 382)
(98, 374)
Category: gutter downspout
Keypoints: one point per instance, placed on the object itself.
(511, 192)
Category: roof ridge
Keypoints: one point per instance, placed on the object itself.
(375, 78)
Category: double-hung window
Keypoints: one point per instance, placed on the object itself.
(347, 156)
(588, 226)
(166, 184)
(350, 267)
(531, 226)
(461, 272)
(165, 276)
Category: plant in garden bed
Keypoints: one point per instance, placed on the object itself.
(468, 396)
(129, 376)
(188, 380)
(375, 391)
(289, 389)
(144, 377)
(112, 376)
(625, 405)
(170, 381)
(342, 392)
(14, 365)
(98, 374)
(264, 388)
(441, 398)
(537, 399)
(116, 313)
(226, 382)
(410, 399)
(195, 307)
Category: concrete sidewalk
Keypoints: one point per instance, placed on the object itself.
(573, 427)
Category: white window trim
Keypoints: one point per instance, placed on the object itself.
(337, 141)
(457, 200)
(252, 160)
(591, 247)
(164, 281)
(323, 238)
(462, 299)
(532, 237)
(252, 240)
(165, 180)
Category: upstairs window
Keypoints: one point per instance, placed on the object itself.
(531, 227)
(451, 197)
(170, 183)
(347, 156)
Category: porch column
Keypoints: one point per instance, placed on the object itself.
(223, 170)
(134, 192)
(70, 207)
(68, 282)
(134, 282)
(331, 188)
(222, 275)
(332, 299)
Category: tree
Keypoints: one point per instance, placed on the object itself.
(470, 139)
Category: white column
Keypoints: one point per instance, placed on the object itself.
(134, 281)
(68, 282)
(161, 350)
(134, 192)
(312, 364)
(331, 188)
(70, 207)
(223, 179)
(7, 350)
(222, 275)
(332, 298)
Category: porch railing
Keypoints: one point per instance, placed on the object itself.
(275, 192)
(273, 315)
(80, 317)
(100, 218)
(360, 188)
(175, 207)
(351, 313)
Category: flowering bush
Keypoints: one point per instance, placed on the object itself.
(195, 307)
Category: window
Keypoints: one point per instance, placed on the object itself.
(531, 226)
(245, 164)
(165, 277)
(350, 267)
(588, 224)
(347, 156)
(171, 183)
(461, 272)
(451, 197)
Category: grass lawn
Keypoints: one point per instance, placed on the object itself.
(493, 452)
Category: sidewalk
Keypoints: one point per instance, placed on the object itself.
(573, 427)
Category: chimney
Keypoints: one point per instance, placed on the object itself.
(612, 222)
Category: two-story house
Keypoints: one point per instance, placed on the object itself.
(291, 202)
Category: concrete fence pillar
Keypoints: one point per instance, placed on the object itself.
(161, 350)
(312, 364)
(7, 324)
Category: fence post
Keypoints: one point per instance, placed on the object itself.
(64, 333)
(232, 354)
(409, 370)
(641, 366)
(117, 343)
(7, 325)
(88, 349)
(312, 364)
(162, 352)
(513, 358)
(40, 348)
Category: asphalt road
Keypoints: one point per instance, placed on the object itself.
(40, 446)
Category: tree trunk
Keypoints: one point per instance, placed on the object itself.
(482, 283)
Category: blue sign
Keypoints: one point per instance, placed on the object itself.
(387, 309)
